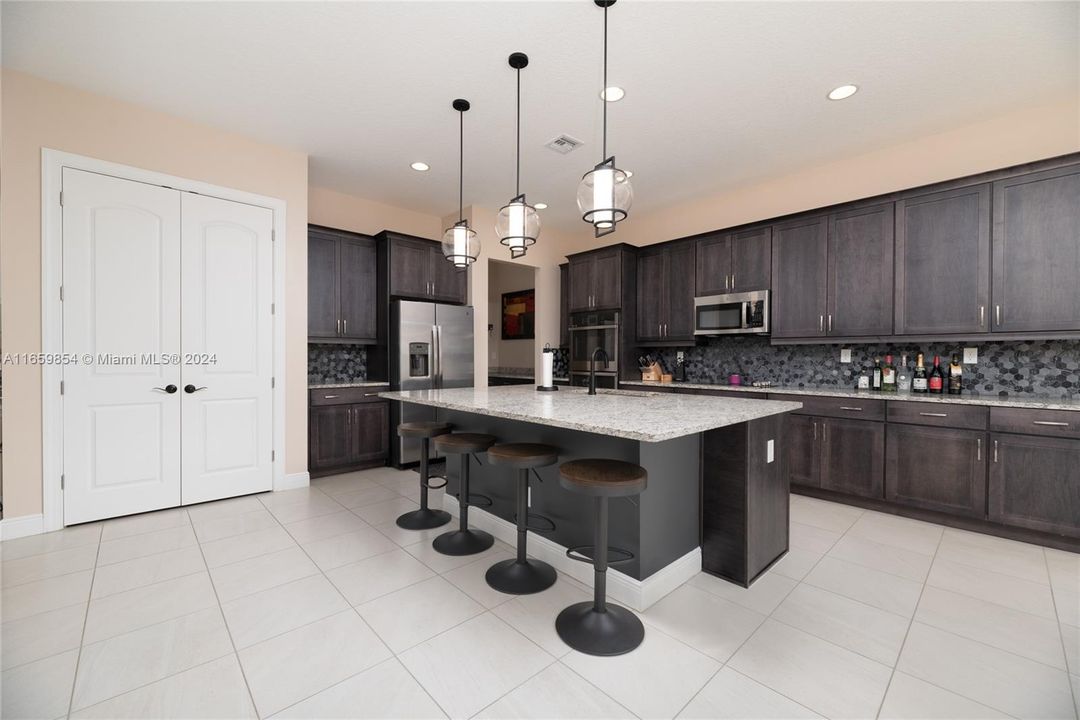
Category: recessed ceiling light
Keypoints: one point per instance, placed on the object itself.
(420, 166)
(540, 206)
(843, 92)
(612, 94)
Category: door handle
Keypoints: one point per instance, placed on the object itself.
(982, 316)
(337, 326)
(830, 322)
(727, 282)
(167, 389)
(330, 397)
(852, 409)
(929, 414)
(997, 315)
(814, 423)
(732, 281)
(995, 450)
(189, 389)
(978, 448)
(1051, 423)
(821, 323)
(344, 327)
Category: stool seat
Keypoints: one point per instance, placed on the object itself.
(523, 455)
(600, 477)
(423, 429)
(460, 443)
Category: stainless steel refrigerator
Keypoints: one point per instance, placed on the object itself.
(431, 347)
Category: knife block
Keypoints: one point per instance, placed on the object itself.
(653, 373)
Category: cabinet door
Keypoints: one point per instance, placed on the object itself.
(861, 272)
(943, 262)
(410, 268)
(937, 469)
(564, 305)
(1035, 483)
(650, 295)
(607, 280)
(853, 457)
(751, 259)
(1037, 251)
(800, 278)
(679, 292)
(581, 283)
(713, 265)
(449, 284)
(322, 285)
(371, 430)
(801, 436)
(330, 442)
(356, 280)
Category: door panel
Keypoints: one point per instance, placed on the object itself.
(581, 283)
(322, 285)
(455, 345)
(1034, 483)
(751, 259)
(357, 278)
(607, 276)
(801, 435)
(121, 266)
(227, 331)
(937, 469)
(410, 268)
(852, 457)
(370, 422)
(650, 295)
(861, 272)
(800, 278)
(449, 283)
(713, 265)
(331, 437)
(679, 293)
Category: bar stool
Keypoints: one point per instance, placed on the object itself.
(521, 576)
(424, 518)
(596, 628)
(463, 541)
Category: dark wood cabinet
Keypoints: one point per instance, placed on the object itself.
(860, 286)
(1036, 251)
(713, 276)
(665, 300)
(596, 280)
(679, 294)
(734, 262)
(349, 436)
(419, 271)
(937, 468)
(853, 456)
(449, 284)
(580, 274)
(943, 262)
(342, 286)
(804, 459)
(1034, 483)
(564, 305)
(329, 442)
(800, 275)
(650, 295)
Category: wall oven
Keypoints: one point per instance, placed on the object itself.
(590, 330)
(735, 314)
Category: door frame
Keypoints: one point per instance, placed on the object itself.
(52, 407)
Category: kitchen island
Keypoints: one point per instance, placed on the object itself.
(717, 497)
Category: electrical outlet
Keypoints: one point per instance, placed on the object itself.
(971, 356)
(679, 356)
(845, 355)
(770, 451)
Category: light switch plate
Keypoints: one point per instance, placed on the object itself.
(770, 451)
(845, 355)
(971, 356)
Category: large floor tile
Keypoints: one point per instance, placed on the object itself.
(415, 613)
(733, 696)
(281, 498)
(909, 698)
(1070, 637)
(657, 679)
(150, 543)
(42, 596)
(333, 552)
(892, 593)
(131, 574)
(705, 622)
(222, 508)
(822, 514)
(997, 554)
(763, 596)
(249, 545)
(440, 563)
(1007, 590)
(796, 563)
(141, 607)
(1006, 682)
(376, 576)
(824, 677)
(144, 523)
(262, 615)
(226, 526)
(311, 507)
(471, 579)
(39, 636)
(291, 667)
(215, 690)
(1064, 570)
(381, 513)
(388, 690)
(901, 532)
(256, 574)
(346, 482)
(366, 496)
(886, 558)
(324, 526)
(64, 539)
(856, 626)
(405, 538)
(1031, 636)
(125, 662)
(534, 615)
(469, 667)
(43, 567)
(555, 692)
(39, 690)
(812, 539)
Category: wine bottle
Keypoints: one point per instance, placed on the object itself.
(875, 376)
(956, 376)
(903, 375)
(918, 383)
(888, 375)
(937, 378)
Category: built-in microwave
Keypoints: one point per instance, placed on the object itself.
(734, 314)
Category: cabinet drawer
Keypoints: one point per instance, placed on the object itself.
(855, 408)
(1054, 423)
(953, 416)
(346, 395)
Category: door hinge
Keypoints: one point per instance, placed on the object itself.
(61, 293)
(273, 382)
(273, 455)
(273, 308)
(61, 387)
(61, 482)
(61, 198)
(273, 235)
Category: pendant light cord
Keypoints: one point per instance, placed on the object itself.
(461, 167)
(603, 94)
(517, 179)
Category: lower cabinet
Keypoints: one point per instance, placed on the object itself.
(804, 461)
(348, 437)
(1035, 482)
(852, 456)
(937, 468)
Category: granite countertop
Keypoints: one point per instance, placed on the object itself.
(354, 383)
(1033, 402)
(511, 376)
(630, 414)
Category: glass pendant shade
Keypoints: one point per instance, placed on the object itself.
(604, 197)
(460, 245)
(518, 226)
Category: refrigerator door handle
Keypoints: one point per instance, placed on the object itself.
(438, 335)
(434, 357)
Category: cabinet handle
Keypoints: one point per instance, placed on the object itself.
(853, 409)
(821, 323)
(337, 326)
(727, 282)
(374, 394)
(978, 448)
(814, 423)
(934, 414)
(732, 281)
(995, 450)
(330, 397)
(345, 326)
(1051, 423)
(997, 315)
(982, 316)
(830, 322)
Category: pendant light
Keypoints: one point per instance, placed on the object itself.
(518, 224)
(604, 195)
(459, 243)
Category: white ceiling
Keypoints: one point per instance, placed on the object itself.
(717, 93)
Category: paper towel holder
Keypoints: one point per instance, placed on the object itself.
(549, 352)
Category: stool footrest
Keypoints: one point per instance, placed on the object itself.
(429, 486)
(537, 522)
(477, 500)
(584, 553)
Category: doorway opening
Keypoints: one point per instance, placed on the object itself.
(511, 323)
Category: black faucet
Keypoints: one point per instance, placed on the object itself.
(592, 368)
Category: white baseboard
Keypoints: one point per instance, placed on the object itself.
(17, 527)
(293, 481)
(636, 594)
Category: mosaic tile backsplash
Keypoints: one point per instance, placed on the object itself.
(329, 363)
(1045, 368)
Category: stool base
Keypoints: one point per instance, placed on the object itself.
(463, 542)
(520, 578)
(423, 519)
(616, 631)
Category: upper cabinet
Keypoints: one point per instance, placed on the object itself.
(734, 262)
(564, 305)
(342, 285)
(419, 271)
(665, 300)
(596, 279)
(800, 275)
(943, 262)
(1036, 246)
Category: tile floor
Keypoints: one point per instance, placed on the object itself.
(313, 604)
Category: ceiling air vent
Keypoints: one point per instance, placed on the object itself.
(563, 144)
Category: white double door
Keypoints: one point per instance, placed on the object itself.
(168, 339)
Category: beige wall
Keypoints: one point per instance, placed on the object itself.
(349, 212)
(504, 277)
(36, 114)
